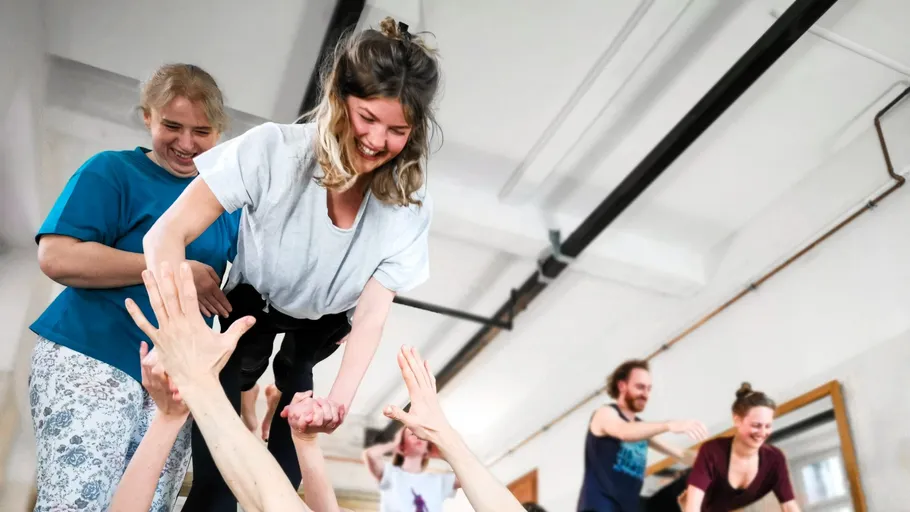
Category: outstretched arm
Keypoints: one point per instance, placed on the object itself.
(428, 422)
(366, 331)
(193, 354)
(359, 349)
(137, 486)
(317, 488)
(607, 422)
(687, 457)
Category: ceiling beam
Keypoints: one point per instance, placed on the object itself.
(772, 45)
(345, 17)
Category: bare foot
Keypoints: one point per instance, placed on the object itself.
(248, 407)
(272, 395)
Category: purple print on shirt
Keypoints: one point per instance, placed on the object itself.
(419, 504)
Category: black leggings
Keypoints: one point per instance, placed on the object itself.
(306, 342)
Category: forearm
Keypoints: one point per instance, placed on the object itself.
(484, 491)
(358, 353)
(319, 494)
(640, 430)
(137, 486)
(671, 451)
(693, 499)
(250, 471)
(373, 457)
(378, 451)
(790, 506)
(91, 265)
(163, 245)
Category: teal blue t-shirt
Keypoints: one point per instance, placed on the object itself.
(114, 199)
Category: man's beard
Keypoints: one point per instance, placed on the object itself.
(632, 404)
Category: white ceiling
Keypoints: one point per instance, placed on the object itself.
(731, 206)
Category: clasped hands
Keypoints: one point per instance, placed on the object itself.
(188, 352)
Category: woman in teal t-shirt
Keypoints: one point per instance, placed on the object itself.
(88, 406)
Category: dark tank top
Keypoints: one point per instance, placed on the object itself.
(614, 472)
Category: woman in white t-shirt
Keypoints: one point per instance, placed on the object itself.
(404, 483)
(334, 216)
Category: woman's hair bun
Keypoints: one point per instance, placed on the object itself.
(743, 390)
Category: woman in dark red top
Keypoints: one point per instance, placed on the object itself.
(733, 472)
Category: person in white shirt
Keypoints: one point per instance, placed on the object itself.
(335, 219)
(404, 483)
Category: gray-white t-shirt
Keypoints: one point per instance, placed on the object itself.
(288, 248)
(400, 491)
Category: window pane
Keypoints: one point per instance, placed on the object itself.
(824, 480)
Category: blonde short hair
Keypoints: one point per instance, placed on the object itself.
(191, 82)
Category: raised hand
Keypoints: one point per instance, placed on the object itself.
(694, 429)
(156, 382)
(425, 417)
(187, 347)
(308, 416)
(212, 301)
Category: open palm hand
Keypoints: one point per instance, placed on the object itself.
(186, 345)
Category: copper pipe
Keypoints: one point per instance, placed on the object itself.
(898, 183)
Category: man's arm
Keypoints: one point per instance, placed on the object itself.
(687, 457)
(606, 421)
(366, 332)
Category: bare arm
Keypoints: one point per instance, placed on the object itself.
(373, 458)
(72, 262)
(193, 355)
(427, 421)
(687, 457)
(193, 212)
(136, 489)
(790, 506)
(137, 486)
(248, 468)
(606, 422)
(319, 494)
(483, 490)
(694, 498)
(366, 331)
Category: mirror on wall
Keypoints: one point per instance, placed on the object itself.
(813, 431)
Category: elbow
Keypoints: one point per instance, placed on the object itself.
(51, 262)
(150, 240)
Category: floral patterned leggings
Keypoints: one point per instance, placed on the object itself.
(89, 418)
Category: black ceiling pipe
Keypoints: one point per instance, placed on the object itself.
(801, 15)
(345, 16)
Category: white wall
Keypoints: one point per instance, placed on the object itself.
(248, 46)
(22, 85)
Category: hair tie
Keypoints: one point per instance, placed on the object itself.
(403, 30)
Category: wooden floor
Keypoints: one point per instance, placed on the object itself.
(356, 501)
